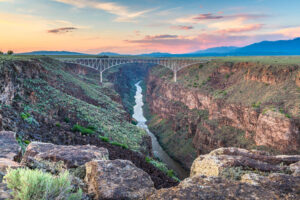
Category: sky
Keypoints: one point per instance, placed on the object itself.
(143, 26)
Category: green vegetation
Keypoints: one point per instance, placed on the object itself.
(277, 60)
(256, 105)
(81, 97)
(124, 146)
(162, 167)
(10, 52)
(176, 143)
(28, 118)
(104, 139)
(83, 130)
(29, 184)
(67, 120)
(254, 81)
(23, 143)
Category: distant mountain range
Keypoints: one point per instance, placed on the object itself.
(217, 50)
(280, 47)
(108, 54)
(157, 54)
(52, 53)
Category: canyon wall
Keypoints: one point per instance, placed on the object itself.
(208, 122)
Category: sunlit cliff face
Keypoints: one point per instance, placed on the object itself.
(141, 26)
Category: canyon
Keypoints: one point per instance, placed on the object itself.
(227, 122)
(190, 120)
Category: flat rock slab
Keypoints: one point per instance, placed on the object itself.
(117, 179)
(9, 147)
(219, 160)
(70, 156)
(202, 188)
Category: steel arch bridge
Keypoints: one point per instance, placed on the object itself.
(102, 64)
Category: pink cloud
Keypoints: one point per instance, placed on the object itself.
(154, 37)
(291, 32)
(181, 27)
(207, 16)
(242, 29)
(182, 44)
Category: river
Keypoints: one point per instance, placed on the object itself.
(157, 149)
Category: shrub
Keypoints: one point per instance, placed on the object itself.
(10, 52)
(25, 116)
(92, 127)
(134, 122)
(124, 146)
(29, 184)
(148, 160)
(23, 143)
(256, 105)
(28, 118)
(162, 167)
(83, 130)
(67, 120)
(58, 124)
(104, 139)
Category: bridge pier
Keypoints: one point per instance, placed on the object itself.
(175, 76)
(101, 77)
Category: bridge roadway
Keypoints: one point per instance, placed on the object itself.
(102, 64)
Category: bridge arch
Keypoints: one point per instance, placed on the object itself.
(104, 64)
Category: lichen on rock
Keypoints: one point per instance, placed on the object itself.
(38, 153)
(117, 179)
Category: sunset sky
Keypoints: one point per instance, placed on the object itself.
(143, 26)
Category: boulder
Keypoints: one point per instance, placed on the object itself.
(295, 168)
(9, 147)
(202, 187)
(5, 193)
(219, 160)
(117, 179)
(1, 122)
(6, 163)
(40, 155)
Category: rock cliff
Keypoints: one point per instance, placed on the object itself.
(223, 110)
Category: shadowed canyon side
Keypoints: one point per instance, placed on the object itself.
(222, 104)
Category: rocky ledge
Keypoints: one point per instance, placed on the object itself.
(233, 173)
(225, 173)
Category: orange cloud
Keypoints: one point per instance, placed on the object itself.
(183, 44)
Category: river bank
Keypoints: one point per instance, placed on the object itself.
(158, 151)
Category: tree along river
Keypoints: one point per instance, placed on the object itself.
(157, 149)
